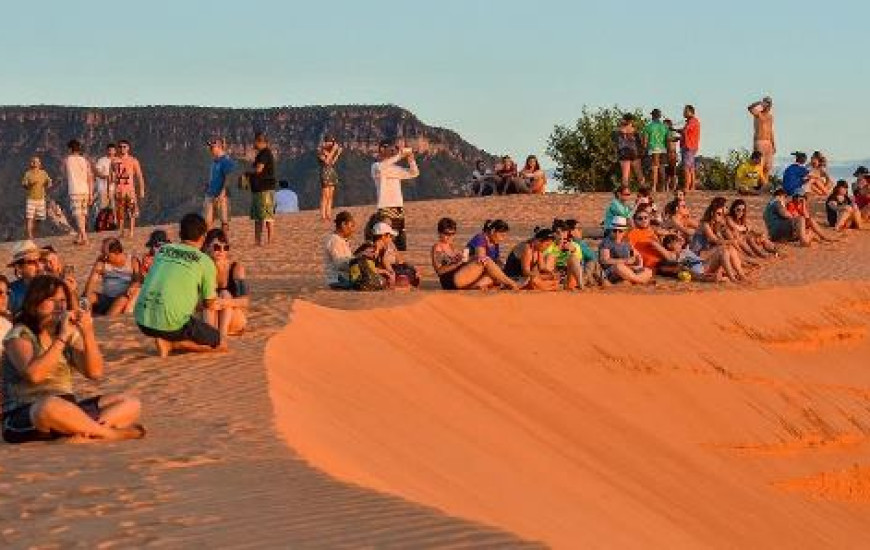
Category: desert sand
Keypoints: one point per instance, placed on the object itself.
(682, 416)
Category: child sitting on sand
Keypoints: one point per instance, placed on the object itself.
(48, 342)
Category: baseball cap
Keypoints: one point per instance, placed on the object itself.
(618, 222)
(383, 228)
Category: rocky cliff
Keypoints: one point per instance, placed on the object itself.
(169, 141)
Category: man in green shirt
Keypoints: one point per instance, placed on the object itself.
(655, 140)
(180, 278)
(36, 182)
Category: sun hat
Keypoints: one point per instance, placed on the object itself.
(383, 228)
(618, 222)
(157, 237)
(24, 250)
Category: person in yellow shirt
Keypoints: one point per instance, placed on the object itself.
(750, 175)
(36, 182)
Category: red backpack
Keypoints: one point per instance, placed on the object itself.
(106, 220)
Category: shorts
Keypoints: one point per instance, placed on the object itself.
(102, 305)
(328, 177)
(216, 208)
(195, 330)
(18, 425)
(127, 205)
(35, 209)
(627, 154)
(78, 206)
(765, 147)
(263, 206)
(689, 157)
(658, 153)
(783, 230)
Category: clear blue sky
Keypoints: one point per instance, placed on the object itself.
(501, 73)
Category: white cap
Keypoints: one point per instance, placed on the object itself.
(382, 228)
(618, 222)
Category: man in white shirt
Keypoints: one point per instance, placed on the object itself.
(337, 253)
(286, 199)
(104, 187)
(388, 177)
(80, 186)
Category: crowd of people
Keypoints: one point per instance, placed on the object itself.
(506, 179)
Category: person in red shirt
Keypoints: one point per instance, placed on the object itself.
(797, 207)
(690, 143)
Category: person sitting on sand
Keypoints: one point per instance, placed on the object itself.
(180, 278)
(644, 239)
(5, 315)
(535, 177)
(841, 210)
(528, 265)
(566, 256)
(337, 252)
(399, 273)
(233, 294)
(645, 197)
(26, 265)
(782, 226)
(751, 242)
(113, 285)
(483, 182)
(49, 341)
(591, 267)
(861, 191)
(619, 260)
(508, 178)
(820, 182)
(487, 243)
(798, 206)
(711, 240)
(750, 175)
(157, 239)
(619, 207)
(796, 177)
(455, 269)
(688, 262)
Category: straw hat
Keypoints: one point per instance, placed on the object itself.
(24, 250)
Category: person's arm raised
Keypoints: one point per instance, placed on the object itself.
(34, 368)
(86, 354)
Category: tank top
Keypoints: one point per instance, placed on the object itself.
(116, 280)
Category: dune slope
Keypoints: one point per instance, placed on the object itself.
(602, 420)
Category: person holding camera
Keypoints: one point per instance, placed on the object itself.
(47, 343)
(116, 274)
(327, 157)
(388, 177)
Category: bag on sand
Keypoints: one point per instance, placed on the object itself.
(105, 220)
(364, 277)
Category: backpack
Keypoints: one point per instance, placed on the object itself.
(363, 275)
(105, 220)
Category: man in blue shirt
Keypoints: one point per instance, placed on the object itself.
(796, 176)
(217, 204)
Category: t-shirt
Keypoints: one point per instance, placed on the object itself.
(748, 176)
(18, 390)
(562, 256)
(286, 201)
(616, 208)
(797, 208)
(221, 168)
(388, 177)
(17, 291)
(78, 175)
(642, 240)
(265, 180)
(618, 251)
(656, 134)
(103, 169)
(336, 258)
(180, 277)
(832, 208)
(124, 170)
(691, 134)
(793, 178)
(36, 180)
(480, 240)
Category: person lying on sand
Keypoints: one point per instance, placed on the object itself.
(619, 261)
(180, 278)
(712, 236)
(529, 267)
(113, 285)
(49, 341)
(456, 269)
(752, 243)
(233, 294)
(841, 211)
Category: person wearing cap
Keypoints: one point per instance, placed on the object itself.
(796, 176)
(36, 182)
(26, 265)
(388, 177)
(655, 141)
(263, 182)
(80, 186)
(619, 260)
(750, 175)
(113, 285)
(327, 157)
(388, 261)
(763, 139)
(216, 203)
(529, 265)
(157, 239)
(337, 252)
(690, 144)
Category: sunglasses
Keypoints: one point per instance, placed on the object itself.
(217, 247)
(618, 230)
(449, 233)
(23, 263)
(642, 218)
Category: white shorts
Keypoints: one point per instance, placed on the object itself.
(78, 206)
(35, 209)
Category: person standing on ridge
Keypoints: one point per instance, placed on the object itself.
(327, 156)
(388, 177)
(80, 187)
(36, 182)
(126, 171)
(655, 141)
(217, 203)
(763, 139)
(262, 181)
(690, 143)
(104, 187)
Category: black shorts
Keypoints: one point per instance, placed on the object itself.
(18, 426)
(627, 154)
(102, 305)
(196, 331)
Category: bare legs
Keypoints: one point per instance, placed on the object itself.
(627, 166)
(628, 274)
(471, 274)
(326, 197)
(117, 415)
(261, 228)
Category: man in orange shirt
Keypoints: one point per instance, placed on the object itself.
(645, 240)
(690, 143)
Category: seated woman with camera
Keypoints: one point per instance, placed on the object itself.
(117, 275)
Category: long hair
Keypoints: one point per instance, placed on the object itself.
(529, 161)
(41, 288)
(495, 226)
(732, 210)
(715, 204)
(5, 282)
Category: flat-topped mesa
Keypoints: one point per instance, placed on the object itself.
(169, 141)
